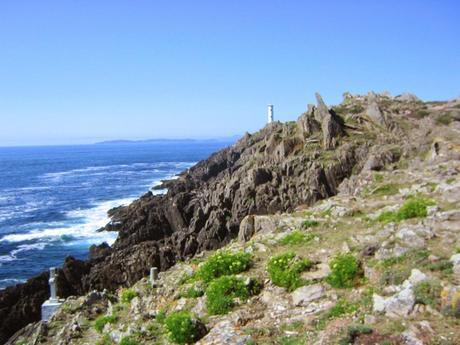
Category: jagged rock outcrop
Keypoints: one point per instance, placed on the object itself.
(374, 112)
(276, 169)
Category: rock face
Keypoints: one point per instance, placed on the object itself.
(276, 169)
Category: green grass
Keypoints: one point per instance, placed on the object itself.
(223, 263)
(342, 307)
(297, 237)
(415, 257)
(182, 327)
(414, 207)
(378, 178)
(386, 189)
(285, 270)
(101, 321)
(222, 292)
(127, 295)
(428, 292)
(306, 224)
(192, 292)
(345, 271)
(394, 276)
(128, 341)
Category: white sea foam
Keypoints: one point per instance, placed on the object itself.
(91, 220)
(12, 256)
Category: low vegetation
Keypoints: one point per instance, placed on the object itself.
(101, 321)
(127, 295)
(223, 263)
(182, 327)
(129, 341)
(345, 271)
(428, 292)
(414, 207)
(285, 270)
(222, 293)
(306, 224)
(297, 237)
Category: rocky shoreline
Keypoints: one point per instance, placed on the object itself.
(278, 169)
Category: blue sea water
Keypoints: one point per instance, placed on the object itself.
(54, 199)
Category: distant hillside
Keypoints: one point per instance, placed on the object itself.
(159, 140)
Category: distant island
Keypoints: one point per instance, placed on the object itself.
(158, 140)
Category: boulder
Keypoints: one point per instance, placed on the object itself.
(306, 294)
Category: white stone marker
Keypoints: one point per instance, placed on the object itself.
(50, 306)
(153, 276)
(270, 113)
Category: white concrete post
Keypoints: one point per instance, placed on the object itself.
(52, 283)
(270, 113)
(153, 276)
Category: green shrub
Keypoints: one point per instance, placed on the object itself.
(128, 341)
(224, 263)
(182, 327)
(297, 237)
(353, 332)
(445, 119)
(342, 307)
(428, 292)
(285, 270)
(222, 292)
(345, 271)
(414, 207)
(127, 295)
(421, 113)
(309, 224)
(101, 321)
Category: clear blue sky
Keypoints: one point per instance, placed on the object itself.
(82, 71)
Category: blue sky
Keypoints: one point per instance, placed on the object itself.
(82, 71)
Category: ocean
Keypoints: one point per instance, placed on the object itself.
(54, 199)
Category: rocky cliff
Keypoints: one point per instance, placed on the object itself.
(278, 169)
